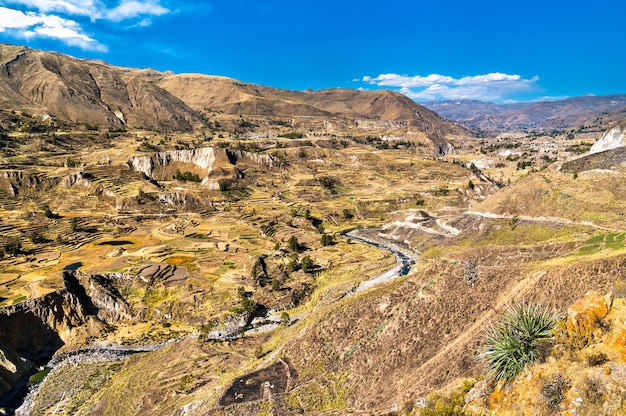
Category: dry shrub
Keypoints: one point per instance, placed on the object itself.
(575, 334)
(596, 358)
(592, 390)
(554, 389)
(447, 405)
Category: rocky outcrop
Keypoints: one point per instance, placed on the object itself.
(38, 327)
(99, 294)
(612, 139)
(15, 182)
(594, 328)
(14, 369)
(32, 331)
(202, 158)
(609, 159)
(77, 178)
(235, 156)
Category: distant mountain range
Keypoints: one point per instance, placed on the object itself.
(542, 115)
(95, 92)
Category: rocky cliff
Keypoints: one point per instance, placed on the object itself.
(32, 331)
(612, 139)
(204, 160)
(606, 153)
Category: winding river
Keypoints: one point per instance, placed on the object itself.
(113, 352)
(404, 262)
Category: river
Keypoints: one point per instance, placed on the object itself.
(404, 262)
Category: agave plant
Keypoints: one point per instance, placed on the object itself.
(511, 344)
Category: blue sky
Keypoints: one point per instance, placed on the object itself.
(430, 50)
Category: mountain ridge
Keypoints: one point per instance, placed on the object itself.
(99, 93)
(541, 115)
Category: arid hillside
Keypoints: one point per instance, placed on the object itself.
(82, 91)
(70, 89)
(204, 92)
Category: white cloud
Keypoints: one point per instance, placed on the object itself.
(30, 24)
(95, 9)
(87, 8)
(64, 20)
(494, 86)
(132, 9)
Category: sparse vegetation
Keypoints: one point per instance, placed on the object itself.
(37, 238)
(597, 358)
(327, 240)
(447, 404)
(187, 176)
(12, 246)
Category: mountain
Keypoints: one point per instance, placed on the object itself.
(95, 92)
(87, 92)
(231, 96)
(543, 115)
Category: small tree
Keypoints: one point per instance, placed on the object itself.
(248, 305)
(307, 264)
(47, 212)
(12, 246)
(293, 265)
(293, 244)
(327, 240)
(37, 238)
(73, 225)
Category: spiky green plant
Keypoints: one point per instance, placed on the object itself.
(511, 344)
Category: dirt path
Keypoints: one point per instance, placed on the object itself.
(453, 231)
(540, 219)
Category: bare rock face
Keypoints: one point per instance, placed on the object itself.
(612, 139)
(16, 182)
(75, 179)
(203, 158)
(14, 369)
(99, 294)
(235, 156)
(32, 331)
(38, 327)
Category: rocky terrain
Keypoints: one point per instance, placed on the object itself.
(195, 245)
